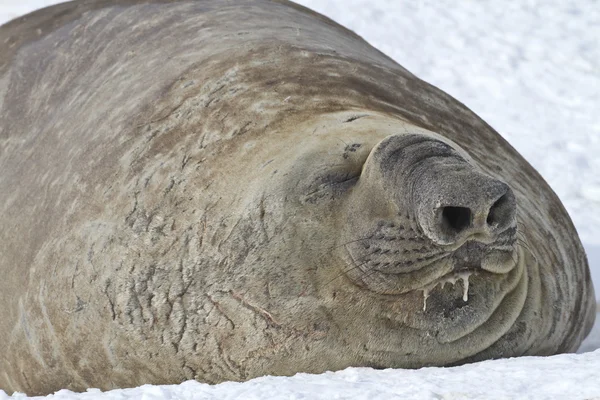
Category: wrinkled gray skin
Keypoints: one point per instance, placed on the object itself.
(220, 190)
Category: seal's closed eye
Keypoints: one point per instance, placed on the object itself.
(328, 175)
(328, 185)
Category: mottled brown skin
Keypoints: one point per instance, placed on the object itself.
(219, 190)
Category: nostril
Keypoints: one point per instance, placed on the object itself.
(501, 211)
(456, 218)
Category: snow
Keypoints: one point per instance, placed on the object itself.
(524, 378)
(530, 68)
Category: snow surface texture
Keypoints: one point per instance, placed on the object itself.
(530, 68)
(526, 378)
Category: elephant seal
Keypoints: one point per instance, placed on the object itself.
(220, 190)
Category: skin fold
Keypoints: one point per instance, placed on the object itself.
(221, 190)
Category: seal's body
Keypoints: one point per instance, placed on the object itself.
(220, 190)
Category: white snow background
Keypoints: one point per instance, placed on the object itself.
(530, 68)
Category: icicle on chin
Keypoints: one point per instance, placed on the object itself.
(451, 279)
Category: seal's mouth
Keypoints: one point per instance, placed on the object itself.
(392, 263)
(473, 258)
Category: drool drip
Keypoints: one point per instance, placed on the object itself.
(459, 276)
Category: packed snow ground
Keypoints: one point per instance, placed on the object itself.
(530, 68)
(525, 378)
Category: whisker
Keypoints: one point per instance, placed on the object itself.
(345, 271)
(514, 257)
(354, 241)
(370, 274)
(435, 257)
(533, 255)
(526, 247)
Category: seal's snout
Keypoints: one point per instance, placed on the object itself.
(453, 200)
(463, 204)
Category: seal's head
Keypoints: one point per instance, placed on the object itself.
(416, 249)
